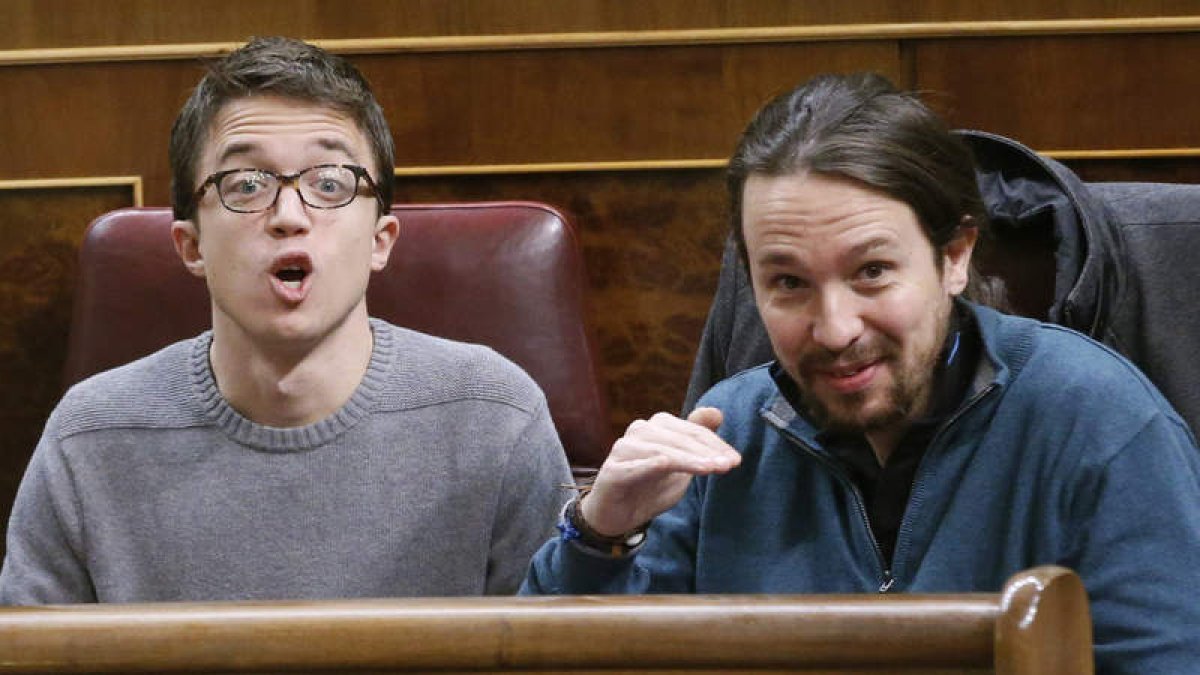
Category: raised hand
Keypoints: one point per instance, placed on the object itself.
(649, 468)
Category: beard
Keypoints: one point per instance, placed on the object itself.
(882, 406)
(905, 398)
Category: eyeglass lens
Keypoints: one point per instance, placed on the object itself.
(323, 187)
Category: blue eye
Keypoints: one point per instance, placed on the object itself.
(247, 186)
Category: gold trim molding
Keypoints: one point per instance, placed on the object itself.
(705, 164)
(559, 167)
(647, 38)
(1144, 153)
(134, 183)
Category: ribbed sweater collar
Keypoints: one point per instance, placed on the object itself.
(291, 439)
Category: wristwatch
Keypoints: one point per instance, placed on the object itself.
(576, 530)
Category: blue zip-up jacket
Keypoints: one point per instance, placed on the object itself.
(1062, 453)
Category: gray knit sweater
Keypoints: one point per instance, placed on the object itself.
(440, 476)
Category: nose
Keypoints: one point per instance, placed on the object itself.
(289, 216)
(837, 322)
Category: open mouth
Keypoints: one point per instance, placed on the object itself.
(292, 272)
(292, 276)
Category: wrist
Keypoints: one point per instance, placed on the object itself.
(585, 516)
(574, 527)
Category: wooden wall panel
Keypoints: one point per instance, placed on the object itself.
(593, 105)
(1161, 170)
(94, 119)
(77, 23)
(40, 232)
(1081, 92)
(445, 109)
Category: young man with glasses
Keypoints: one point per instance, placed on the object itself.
(300, 449)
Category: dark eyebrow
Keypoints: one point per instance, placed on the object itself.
(784, 258)
(870, 245)
(776, 258)
(332, 144)
(233, 151)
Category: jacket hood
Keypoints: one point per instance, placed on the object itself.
(1025, 192)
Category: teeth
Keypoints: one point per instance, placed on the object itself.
(292, 284)
(289, 275)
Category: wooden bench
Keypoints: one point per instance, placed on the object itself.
(1039, 624)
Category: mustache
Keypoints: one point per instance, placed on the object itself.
(824, 359)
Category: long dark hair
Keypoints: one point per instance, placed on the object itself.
(861, 127)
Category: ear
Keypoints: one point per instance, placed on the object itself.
(956, 258)
(186, 237)
(387, 230)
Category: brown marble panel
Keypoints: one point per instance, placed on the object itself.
(652, 243)
(40, 232)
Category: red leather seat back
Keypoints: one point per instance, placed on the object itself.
(507, 274)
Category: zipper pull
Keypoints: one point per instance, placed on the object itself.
(888, 581)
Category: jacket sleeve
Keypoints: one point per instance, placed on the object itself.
(1137, 549)
(664, 564)
(535, 485)
(45, 561)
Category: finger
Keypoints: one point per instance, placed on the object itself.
(668, 429)
(671, 454)
(709, 418)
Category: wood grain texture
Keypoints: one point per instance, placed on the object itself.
(64, 23)
(1083, 92)
(1030, 628)
(444, 109)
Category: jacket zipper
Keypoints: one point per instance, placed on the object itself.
(885, 572)
(888, 580)
(912, 491)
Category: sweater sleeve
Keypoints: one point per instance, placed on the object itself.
(45, 559)
(533, 490)
(1137, 549)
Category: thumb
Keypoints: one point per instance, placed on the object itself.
(706, 417)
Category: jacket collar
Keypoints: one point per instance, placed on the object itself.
(1005, 350)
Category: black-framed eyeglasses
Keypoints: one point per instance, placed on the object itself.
(324, 186)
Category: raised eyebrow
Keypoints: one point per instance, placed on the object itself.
(235, 150)
(238, 149)
(870, 246)
(339, 146)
